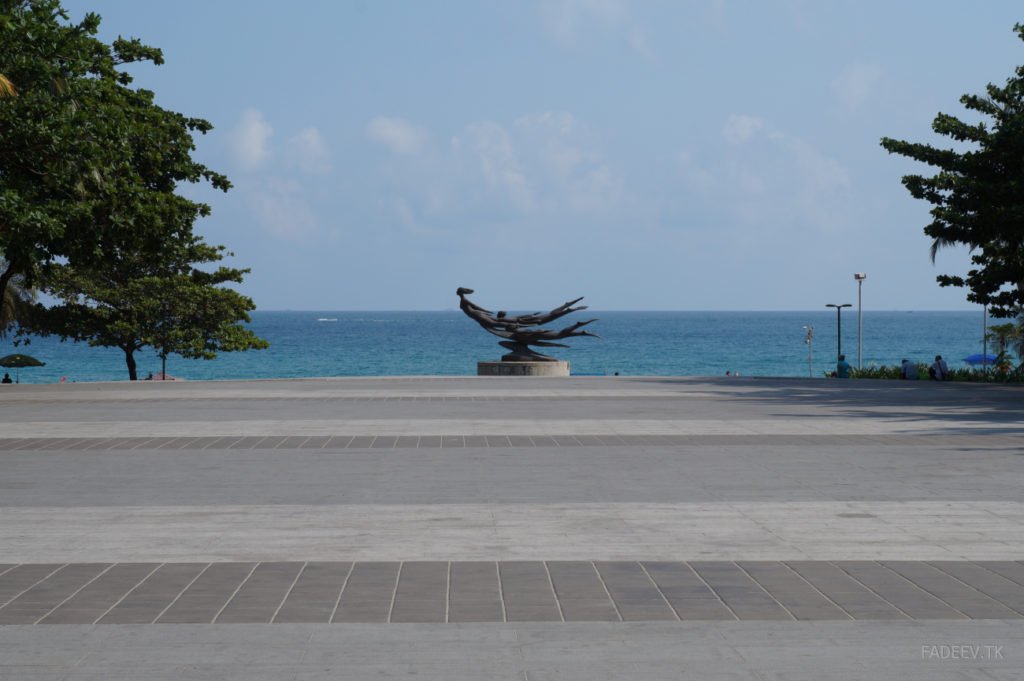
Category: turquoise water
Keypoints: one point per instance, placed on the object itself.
(448, 343)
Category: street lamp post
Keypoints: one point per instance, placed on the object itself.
(839, 325)
(810, 357)
(860, 277)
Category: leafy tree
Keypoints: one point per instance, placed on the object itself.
(166, 304)
(978, 195)
(88, 165)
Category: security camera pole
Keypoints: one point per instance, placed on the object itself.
(860, 277)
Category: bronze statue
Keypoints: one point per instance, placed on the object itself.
(518, 330)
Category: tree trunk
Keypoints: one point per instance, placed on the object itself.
(5, 278)
(129, 357)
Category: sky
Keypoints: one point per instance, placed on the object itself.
(658, 155)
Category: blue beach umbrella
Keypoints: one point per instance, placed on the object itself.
(975, 360)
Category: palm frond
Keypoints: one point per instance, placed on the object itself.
(7, 88)
(938, 245)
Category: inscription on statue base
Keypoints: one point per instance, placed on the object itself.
(556, 368)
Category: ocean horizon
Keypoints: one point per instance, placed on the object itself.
(447, 343)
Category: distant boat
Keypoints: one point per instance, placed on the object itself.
(324, 319)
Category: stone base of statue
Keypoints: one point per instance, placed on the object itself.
(521, 368)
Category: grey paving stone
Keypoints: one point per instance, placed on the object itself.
(270, 442)
(525, 584)
(469, 613)
(16, 580)
(474, 585)
(89, 604)
(369, 593)
(576, 580)
(40, 598)
(736, 589)
(207, 442)
(994, 586)
(969, 601)
(849, 594)
(246, 443)
(208, 594)
(532, 614)
(801, 599)
(903, 594)
(634, 594)
(143, 604)
(293, 442)
(1010, 570)
(262, 594)
(315, 594)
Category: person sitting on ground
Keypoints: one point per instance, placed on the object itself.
(908, 370)
(149, 378)
(7, 379)
(939, 371)
(842, 367)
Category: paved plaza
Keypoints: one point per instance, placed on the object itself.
(519, 528)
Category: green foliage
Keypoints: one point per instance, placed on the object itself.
(88, 165)
(1006, 338)
(141, 301)
(977, 196)
(874, 371)
(1002, 371)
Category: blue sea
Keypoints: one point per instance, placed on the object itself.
(450, 344)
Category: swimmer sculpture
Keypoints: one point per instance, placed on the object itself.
(519, 332)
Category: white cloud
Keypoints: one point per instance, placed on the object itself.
(567, 162)
(565, 20)
(543, 164)
(637, 38)
(856, 82)
(308, 152)
(248, 141)
(740, 128)
(780, 180)
(492, 150)
(570, 23)
(280, 207)
(397, 134)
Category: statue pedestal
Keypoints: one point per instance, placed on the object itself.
(557, 368)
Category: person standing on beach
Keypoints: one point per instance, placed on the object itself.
(843, 367)
(908, 371)
(939, 371)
